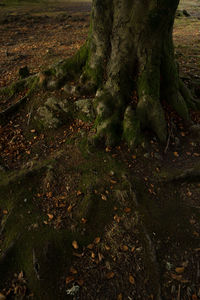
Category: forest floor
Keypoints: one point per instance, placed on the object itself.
(95, 224)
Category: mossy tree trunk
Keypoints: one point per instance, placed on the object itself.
(131, 64)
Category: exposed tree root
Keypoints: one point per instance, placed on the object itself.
(189, 175)
(29, 83)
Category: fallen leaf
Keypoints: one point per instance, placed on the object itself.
(73, 270)
(194, 297)
(113, 181)
(5, 211)
(176, 277)
(93, 255)
(125, 248)
(132, 249)
(131, 279)
(179, 270)
(97, 240)
(100, 256)
(21, 275)
(107, 248)
(69, 209)
(80, 282)
(79, 255)
(188, 153)
(90, 246)
(119, 297)
(50, 216)
(75, 245)
(196, 154)
(117, 218)
(176, 154)
(127, 210)
(195, 233)
(110, 275)
(133, 156)
(2, 297)
(69, 279)
(84, 220)
(108, 149)
(103, 197)
(78, 193)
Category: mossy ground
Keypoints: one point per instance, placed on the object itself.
(132, 227)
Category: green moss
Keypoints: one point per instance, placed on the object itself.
(69, 69)
(131, 128)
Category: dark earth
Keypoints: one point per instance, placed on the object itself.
(79, 222)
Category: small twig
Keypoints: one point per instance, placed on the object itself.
(179, 292)
(29, 115)
(36, 265)
(168, 141)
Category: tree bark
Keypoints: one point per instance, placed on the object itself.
(131, 65)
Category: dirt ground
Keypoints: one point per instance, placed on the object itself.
(80, 223)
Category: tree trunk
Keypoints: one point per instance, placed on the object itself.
(131, 64)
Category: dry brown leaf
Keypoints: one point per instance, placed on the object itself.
(107, 248)
(93, 255)
(73, 270)
(176, 277)
(110, 275)
(2, 297)
(50, 216)
(195, 233)
(108, 149)
(84, 220)
(179, 270)
(127, 210)
(5, 211)
(194, 297)
(117, 218)
(78, 193)
(103, 197)
(131, 279)
(69, 209)
(125, 248)
(75, 245)
(113, 181)
(119, 297)
(90, 246)
(80, 282)
(79, 255)
(100, 256)
(97, 240)
(196, 154)
(69, 279)
(189, 194)
(176, 154)
(133, 156)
